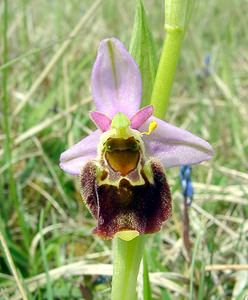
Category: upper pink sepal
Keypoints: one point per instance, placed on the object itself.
(116, 80)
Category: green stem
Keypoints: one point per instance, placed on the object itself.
(176, 14)
(166, 71)
(127, 257)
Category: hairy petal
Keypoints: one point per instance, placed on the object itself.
(73, 159)
(174, 146)
(141, 116)
(102, 121)
(116, 80)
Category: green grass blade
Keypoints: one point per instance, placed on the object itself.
(44, 259)
(143, 51)
(12, 194)
(202, 283)
(192, 267)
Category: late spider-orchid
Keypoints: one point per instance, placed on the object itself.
(121, 164)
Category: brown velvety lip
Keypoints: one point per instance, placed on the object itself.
(142, 208)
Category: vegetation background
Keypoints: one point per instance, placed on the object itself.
(45, 87)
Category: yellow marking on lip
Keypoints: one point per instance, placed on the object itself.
(123, 161)
(122, 155)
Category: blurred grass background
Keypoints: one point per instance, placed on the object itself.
(45, 85)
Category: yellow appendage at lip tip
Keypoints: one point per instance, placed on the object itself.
(152, 126)
(127, 235)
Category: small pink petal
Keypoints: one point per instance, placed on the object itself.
(141, 116)
(116, 80)
(174, 146)
(102, 121)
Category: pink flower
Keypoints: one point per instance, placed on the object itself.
(122, 163)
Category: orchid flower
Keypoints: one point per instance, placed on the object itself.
(121, 164)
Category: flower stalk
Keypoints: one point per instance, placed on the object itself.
(127, 257)
(176, 18)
